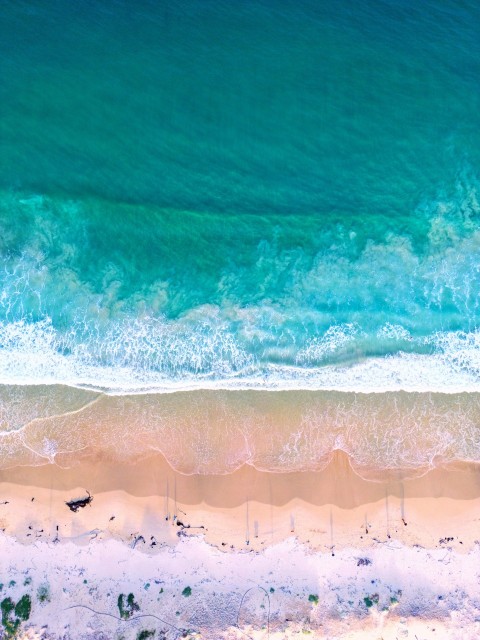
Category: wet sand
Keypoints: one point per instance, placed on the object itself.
(218, 431)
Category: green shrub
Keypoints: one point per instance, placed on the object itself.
(9, 624)
(43, 593)
(128, 608)
(371, 600)
(7, 605)
(23, 607)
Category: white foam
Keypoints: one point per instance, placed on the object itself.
(153, 355)
(311, 334)
(336, 338)
(391, 331)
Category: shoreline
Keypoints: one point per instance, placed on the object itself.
(211, 433)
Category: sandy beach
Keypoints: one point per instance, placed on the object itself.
(247, 509)
(208, 529)
(239, 320)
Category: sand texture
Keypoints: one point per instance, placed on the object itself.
(383, 558)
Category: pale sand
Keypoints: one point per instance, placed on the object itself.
(328, 533)
(403, 592)
(247, 509)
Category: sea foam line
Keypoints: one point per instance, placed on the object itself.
(408, 372)
(36, 353)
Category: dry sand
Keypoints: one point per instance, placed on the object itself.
(408, 546)
(248, 509)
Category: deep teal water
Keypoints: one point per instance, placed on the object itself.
(197, 191)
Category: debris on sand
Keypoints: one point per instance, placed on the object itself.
(75, 505)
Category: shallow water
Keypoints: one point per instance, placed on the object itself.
(219, 431)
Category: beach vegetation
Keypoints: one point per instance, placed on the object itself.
(187, 592)
(7, 606)
(13, 614)
(313, 598)
(23, 607)
(10, 624)
(43, 593)
(371, 600)
(128, 606)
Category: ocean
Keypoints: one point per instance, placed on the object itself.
(240, 232)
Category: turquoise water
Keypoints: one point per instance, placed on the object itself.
(266, 193)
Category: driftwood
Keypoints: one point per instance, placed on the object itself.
(75, 505)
